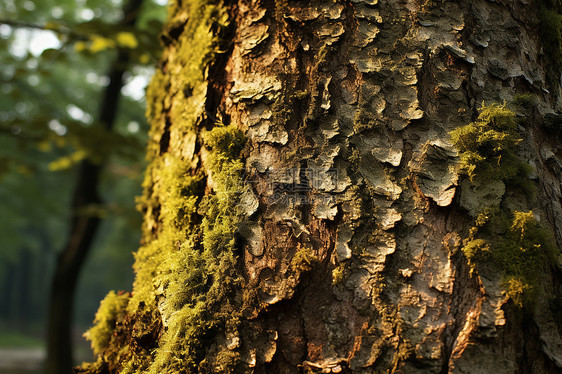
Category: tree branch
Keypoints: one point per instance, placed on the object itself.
(29, 25)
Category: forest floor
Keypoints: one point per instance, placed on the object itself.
(24, 354)
(21, 360)
(30, 360)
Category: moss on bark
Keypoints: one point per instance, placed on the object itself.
(185, 269)
(509, 240)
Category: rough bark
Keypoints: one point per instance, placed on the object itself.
(340, 248)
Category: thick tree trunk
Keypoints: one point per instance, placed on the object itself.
(333, 236)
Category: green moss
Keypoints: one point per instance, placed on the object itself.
(338, 274)
(111, 307)
(512, 242)
(301, 95)
(488, 149)
(227, 361)
(303, 259)
(185, 268)
(551, 35)
(526, 101)
(198, 274)
(515, 243)
(221, 217)
(526, 247)
(227, 141)
(487, 146)
(363, 120)
(476, 250)
(321, 58)
(520, 291)
(355, 156)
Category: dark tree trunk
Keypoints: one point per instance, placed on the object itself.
(6, 309)
(23, 303)
(83, 226)
(306, 209)
(69, 263)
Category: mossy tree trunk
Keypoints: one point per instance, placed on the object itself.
(327, 192)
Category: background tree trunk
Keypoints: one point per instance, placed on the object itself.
(83, 225)
(328, 238)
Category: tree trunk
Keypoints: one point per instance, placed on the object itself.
(24, 301)
(83, 225)
(309, 207)
(69, 263)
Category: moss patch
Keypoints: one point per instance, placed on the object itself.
(488, 147)
(511, 241)
(515, 243)
(304, 258)
(182, 296)
(550, 16)
(106, 318)
(195, 271)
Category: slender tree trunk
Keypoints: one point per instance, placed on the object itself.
(69, 263)
(7, 307)
(335, 234)
(83, 226)
(23, 303)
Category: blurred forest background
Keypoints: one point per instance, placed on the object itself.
(55, 59)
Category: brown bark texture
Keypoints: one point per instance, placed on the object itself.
(351, 209)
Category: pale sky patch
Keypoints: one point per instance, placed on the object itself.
(136, 86)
